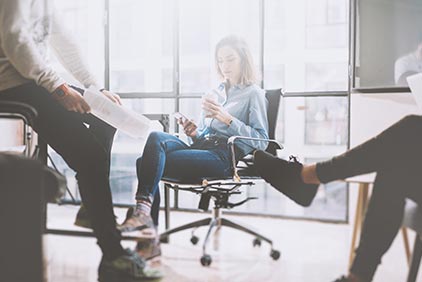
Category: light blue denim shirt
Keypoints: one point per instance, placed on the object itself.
(248, 106)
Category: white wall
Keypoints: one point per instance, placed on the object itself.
(372, 113)
(11, 132)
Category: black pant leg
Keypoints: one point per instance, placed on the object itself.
(397, 146)
(65, 132)
(382, 221)
(103, 132)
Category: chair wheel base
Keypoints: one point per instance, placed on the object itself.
(206, 260)
(257, 242)
(194, 240)
(275, 254)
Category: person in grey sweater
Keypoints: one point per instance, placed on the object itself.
(28, 29)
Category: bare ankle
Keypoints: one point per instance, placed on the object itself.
(353, 278)
(309, 175)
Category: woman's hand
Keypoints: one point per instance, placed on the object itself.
(214, 110)
(112, 96)
(189, 127)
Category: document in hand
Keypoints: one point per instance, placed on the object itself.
(124, 119)
(415, 84)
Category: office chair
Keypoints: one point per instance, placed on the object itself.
(220, 190)
(24, 112)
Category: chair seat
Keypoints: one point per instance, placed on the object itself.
(211, 180)
(412, 216)
(244, 173)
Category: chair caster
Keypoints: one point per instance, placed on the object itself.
(256, 242)
(194, 240)
(206, 260)
(275, 254)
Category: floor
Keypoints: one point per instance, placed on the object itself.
(311, 251)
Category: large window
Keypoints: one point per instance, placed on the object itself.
(306, 45)
(202, 25)
(141, 45)
(161, 59)
(84, 22)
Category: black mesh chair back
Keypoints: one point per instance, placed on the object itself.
(273, 98)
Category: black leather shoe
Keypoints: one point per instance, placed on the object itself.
(285, 176)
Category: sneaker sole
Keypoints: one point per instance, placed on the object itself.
(153, 256)
(115, 276)
(143, 231)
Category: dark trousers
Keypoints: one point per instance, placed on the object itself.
(86, 149)
(395, 155)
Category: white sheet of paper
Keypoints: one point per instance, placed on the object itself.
(415, 84)
(124, 119)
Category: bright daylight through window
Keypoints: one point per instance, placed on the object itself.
(160, 58)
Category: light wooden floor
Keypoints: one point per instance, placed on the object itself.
(310, 252)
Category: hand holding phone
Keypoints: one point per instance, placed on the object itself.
(181, 118)
(189, 126)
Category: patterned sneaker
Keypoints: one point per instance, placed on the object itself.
(129, 267)
(136, 221)
(149, 249)
(285, 176)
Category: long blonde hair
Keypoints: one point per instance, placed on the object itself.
(248, 73)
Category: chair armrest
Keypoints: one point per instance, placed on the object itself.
(163, 119)
(16, 109)
(233, 139)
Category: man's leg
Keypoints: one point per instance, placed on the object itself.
(396, 147)
(104, 133)
(68, 136)
(382, 221)
(399, 145)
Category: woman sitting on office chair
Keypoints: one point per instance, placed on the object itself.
(236, 107)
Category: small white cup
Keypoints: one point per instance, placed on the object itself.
(213, 96)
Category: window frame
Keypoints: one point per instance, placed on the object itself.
(178, 97)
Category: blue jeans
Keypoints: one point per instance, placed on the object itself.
(166, 155)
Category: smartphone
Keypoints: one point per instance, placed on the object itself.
(179, 116)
